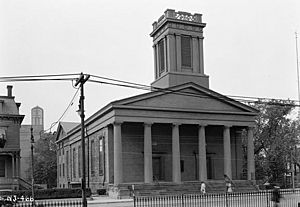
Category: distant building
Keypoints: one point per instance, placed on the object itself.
(182, 131)
(37, 124)
(37, 117)
(10, 123)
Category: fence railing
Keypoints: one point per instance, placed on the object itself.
(65, 203)
(289, 198)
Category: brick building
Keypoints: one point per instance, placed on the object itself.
(180, 132)
(10, 123)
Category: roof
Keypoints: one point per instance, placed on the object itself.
(184, 98)
(66, 127)
(187, 91)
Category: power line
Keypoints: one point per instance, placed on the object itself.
(35, 79)
(120, 81)
(191, 94)
(68, 107)
(40, 76)
(149, 88)
(127, 84)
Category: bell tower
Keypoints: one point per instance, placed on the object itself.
(178, 49)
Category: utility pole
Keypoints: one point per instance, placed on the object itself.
(81, 80)
(295, 147)
(32, 166)
(297, 64)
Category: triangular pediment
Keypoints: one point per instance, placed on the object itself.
(187, 97)
(63, 129)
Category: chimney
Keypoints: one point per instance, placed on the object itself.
(9, 91)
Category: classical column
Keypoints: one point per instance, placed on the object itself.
(202, 154)
(13, 164)
(176, 154)
(148, 170)
(17, 173)
(227, 151)
(250, 155)
(118, 171)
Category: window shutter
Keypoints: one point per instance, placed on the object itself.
(161, 53)
(186, 56)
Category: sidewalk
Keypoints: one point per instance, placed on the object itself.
(110, 202)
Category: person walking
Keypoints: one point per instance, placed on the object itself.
(228, 184)
(203, 188)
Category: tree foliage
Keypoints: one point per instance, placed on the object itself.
(276, 135)
(45, 163)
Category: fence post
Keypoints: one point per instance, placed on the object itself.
(267, 199)
(226, 200)
(133, 195)
(134, 201)
(182, 201)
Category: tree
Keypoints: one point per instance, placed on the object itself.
(45, 163)
(276, 135)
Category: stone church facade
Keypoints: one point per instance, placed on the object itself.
(180, 131)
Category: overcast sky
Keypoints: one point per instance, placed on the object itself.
(249, 48)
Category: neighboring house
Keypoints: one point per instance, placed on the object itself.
(185, 132)
(37, 124)
(10, 123)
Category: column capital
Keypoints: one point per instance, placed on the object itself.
(149, 124)
(227, 126)
(176, 124)
(117, 122)
(202, 125)
(250, 127)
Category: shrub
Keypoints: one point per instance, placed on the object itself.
(101, 191)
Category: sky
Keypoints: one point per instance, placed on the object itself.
(249, 48)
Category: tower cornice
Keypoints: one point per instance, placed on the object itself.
(182, 18)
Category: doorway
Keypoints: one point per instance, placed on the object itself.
(209, 168)
(157, 168)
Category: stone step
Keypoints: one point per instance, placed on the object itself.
(124, 190)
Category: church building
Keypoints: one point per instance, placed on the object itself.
(180, 132)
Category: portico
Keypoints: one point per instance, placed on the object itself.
(180, 152)
(10, 163)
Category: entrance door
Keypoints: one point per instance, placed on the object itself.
(209, 168)
(157, 168)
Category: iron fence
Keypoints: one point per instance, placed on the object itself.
(289, 198)
(56, 203)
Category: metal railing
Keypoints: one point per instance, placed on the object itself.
(65, 203)
(289, 198)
